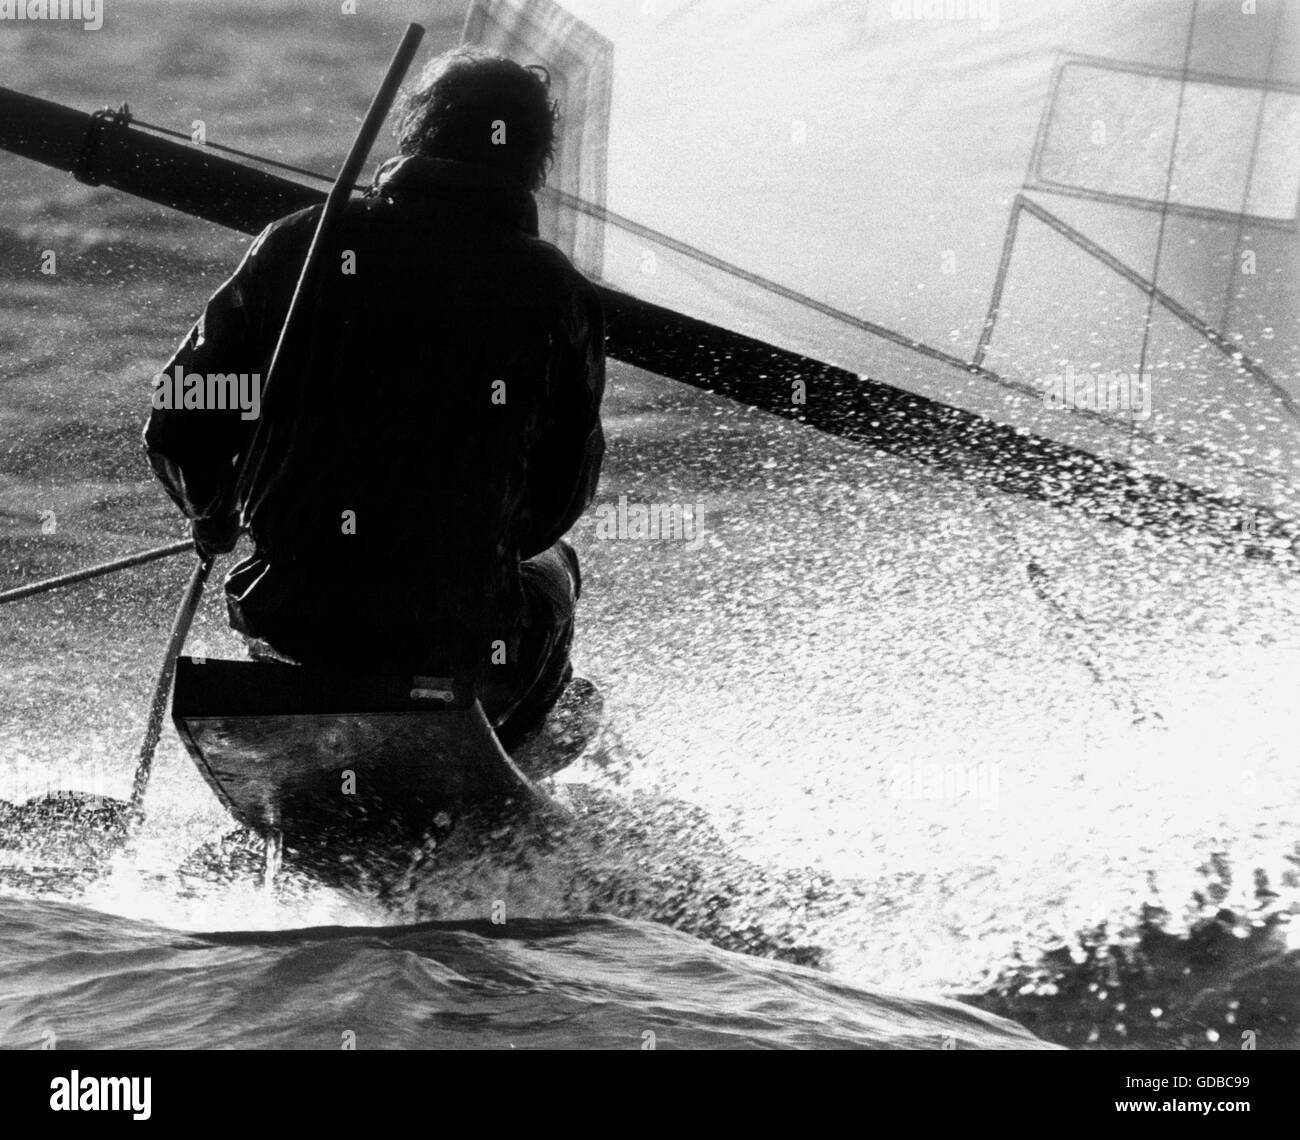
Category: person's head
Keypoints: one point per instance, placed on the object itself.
(473, 106)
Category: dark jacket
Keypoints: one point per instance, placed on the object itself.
(439, 423)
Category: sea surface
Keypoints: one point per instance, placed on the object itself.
(102, 982)
(873, 732)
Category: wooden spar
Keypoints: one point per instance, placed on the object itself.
(185, 177)
(868, 411)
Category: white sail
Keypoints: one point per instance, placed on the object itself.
(1071, 216)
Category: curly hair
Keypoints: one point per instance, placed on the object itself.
(475, 106)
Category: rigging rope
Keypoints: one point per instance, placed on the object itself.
(236, 152)
(1164, 217)
(1250, 173)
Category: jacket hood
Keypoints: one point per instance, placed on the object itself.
(480, 188)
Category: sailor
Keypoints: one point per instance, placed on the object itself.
(436, 433)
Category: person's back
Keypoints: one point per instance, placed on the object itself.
(438, 428)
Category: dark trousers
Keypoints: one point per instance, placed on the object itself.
(516, 696)
(519, 702)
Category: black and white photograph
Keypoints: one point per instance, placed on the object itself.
(650, 525)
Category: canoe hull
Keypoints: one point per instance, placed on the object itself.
(312, 755)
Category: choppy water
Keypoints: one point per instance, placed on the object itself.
(97, 981)
(875, 731)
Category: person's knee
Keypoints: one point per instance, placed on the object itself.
(575, 571)
(552, 579)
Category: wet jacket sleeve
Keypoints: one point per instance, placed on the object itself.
(564, 468)
(195, 451)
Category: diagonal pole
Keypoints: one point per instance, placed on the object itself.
(89, 572)
(162, 686)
